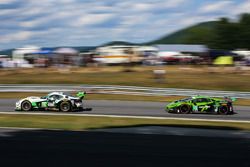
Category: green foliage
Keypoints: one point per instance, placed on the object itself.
(222, 34)
(197, 34)
(118, 43)
(244, 31)
(225, 35)
(200, 35)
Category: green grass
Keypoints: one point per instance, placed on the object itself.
(86, 122)
(200, 77)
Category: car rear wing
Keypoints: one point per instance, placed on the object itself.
(81, 95)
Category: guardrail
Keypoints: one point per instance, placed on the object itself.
(128, 90)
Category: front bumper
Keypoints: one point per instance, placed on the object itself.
(170, 110)
(18, 106)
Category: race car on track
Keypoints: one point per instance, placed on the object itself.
(201, 104)
(53, 101)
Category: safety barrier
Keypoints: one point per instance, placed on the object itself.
(115, 89)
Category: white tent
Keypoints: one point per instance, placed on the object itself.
(66, 51)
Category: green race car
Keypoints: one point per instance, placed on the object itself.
(201, 104)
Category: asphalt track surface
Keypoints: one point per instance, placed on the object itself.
(89, 148)
(139, 146)
(138, 108)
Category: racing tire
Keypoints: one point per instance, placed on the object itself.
(184, 109)
(211, 109)
(26, 106)
(65, 106)
(223, 110)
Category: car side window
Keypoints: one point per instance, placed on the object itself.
(55, 97)
(204, 100)
(196, 100)
(51, 97)
(200, 100)
(59, 97)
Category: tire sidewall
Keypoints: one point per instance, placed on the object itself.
(64, 103)
(225, 112)
(186, 107)
(28, 102)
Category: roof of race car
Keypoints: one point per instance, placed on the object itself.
(199, 96)
(191, 98)
(57, 93)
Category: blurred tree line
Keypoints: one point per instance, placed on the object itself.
(224, 34)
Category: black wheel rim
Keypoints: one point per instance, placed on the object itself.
(223, 110)
(26, 106)
(65, 107)
(184, 109)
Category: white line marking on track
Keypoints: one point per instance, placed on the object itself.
(127, 116)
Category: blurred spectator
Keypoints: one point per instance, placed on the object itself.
(159, 75)
(66, 56)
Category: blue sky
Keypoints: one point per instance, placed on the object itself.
(92, 22)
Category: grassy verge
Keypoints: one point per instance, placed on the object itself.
(175, 77)
(242, 102)
(85, 122)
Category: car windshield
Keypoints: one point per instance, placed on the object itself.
(43, 97)
(183, 100)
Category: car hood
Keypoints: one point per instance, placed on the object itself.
(173, 104)
(32, 99)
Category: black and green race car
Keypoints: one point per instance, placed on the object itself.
(53, 101)
(202, 104)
